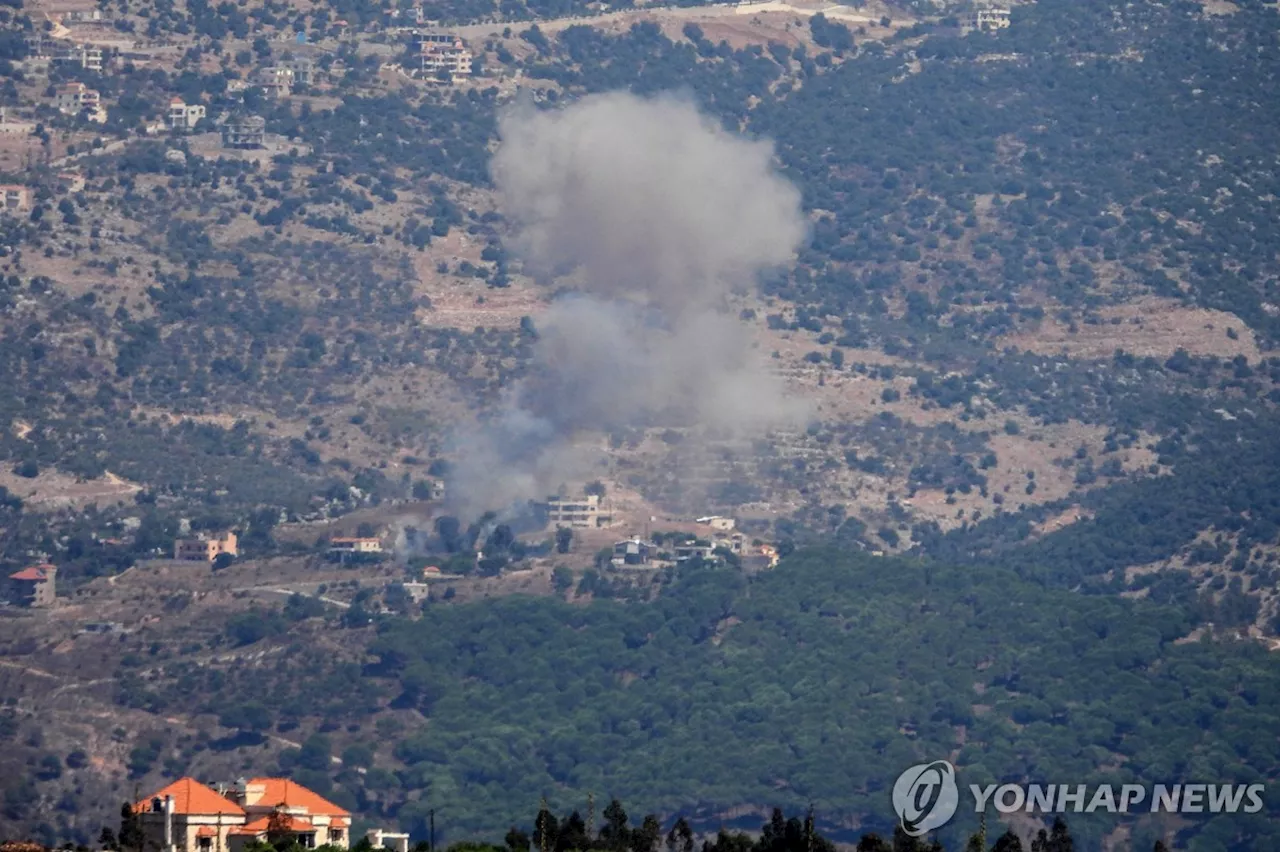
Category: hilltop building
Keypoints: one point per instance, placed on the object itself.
(184, 116)
(79, 99)
(355, 549)
(247, 132)
(988, 19)
(716, 522)
(204, 547)
(694, 550)
(632, 551)
(443, 53)
(86, 56)
(15, 198)
(188, 816)
(585, 512)
(34, 586)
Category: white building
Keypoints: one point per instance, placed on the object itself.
(79, 99)
(85, 55)
(184, 116)
(989, 18)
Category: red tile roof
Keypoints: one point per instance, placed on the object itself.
(207, 831)
(35, 573)
(262, 824)
(281, 792)
(191, 797)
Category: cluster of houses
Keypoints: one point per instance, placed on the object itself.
(194, 817)
(637, 552)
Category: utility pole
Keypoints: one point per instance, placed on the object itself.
(591, 816)
(431, 814)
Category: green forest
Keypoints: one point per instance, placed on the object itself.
(814, 684)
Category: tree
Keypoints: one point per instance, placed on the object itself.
(130, 837)
(564, 539)
(615, 834)
(517, 840)
(648, 836)
(680, 837)
(449, 529)
(1057, 839)
(279, 828)
(1007, 842)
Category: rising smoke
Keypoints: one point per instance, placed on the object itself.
(652, 214)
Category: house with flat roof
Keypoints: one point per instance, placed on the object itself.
(355, 549)
(15, 198)
(632, 551)
(205, 547)
(584, 512)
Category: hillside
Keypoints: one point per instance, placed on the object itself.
(1031, 323)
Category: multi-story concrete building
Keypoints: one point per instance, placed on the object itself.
(76, 99)
(205, 547)
(440, 57)
(85, 55)
(578, 512)
(247, 132)
(184, 116)
(34, 586)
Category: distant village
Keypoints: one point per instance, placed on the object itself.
(710, 540)
(86, 41)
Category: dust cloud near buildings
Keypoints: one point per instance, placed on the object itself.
(648, 215)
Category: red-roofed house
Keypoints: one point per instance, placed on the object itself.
(312, 818)
(34, 585)
(188, 815)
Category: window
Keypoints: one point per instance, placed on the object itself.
(204, 842)
(335, 835)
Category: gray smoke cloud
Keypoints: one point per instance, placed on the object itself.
(653, 214)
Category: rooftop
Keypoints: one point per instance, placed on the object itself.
(191, 797)
(34, 573)
(281, 792)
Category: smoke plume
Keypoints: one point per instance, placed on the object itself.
(652, 214)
